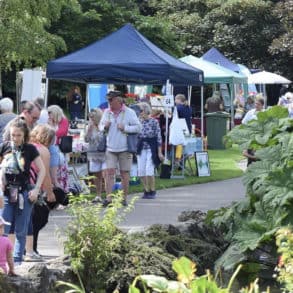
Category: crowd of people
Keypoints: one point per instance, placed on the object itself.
(33, 168)
(31, 163)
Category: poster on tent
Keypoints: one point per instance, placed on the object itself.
(97, 95)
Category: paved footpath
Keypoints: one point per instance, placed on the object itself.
(162, 210)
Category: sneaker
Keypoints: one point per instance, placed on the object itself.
(32, 257)
(145, 194)
(152, 194)
(37, 253)
(106, 202)
(124, 203)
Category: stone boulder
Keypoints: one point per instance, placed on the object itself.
(38, 277)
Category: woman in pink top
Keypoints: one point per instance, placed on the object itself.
(58, 120)
(6, 250)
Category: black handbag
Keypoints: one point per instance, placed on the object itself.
(65, 144)
(102, 145)
(132, 140)
(165, 171)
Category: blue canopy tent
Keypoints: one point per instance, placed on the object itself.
(123, 57)
(214, 73)
(215, 56)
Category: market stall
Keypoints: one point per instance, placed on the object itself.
(124, 57)
(215, 74)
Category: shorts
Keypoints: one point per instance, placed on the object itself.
(123, 159)
(145, 163)
(96, 166)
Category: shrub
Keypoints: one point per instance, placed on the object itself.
(187, 281)
(285, 267)
(92, 236)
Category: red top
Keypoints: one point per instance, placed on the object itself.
(62, 129)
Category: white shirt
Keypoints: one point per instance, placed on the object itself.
(250, 115)
(44, 116)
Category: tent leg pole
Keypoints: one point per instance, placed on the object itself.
(201, 116)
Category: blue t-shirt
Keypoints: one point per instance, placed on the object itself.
(185, 112)
(54, 156)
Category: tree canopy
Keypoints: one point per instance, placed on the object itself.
(256, 33)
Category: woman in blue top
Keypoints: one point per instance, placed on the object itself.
(183, 109)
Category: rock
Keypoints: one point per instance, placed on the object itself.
(38, 277)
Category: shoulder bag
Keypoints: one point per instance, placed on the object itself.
(102, 144)
(132, 140)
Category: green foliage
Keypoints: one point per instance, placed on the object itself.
(134, 257)
(247, 32)
(72, 287)
(187, 282)
(92, 236)
(24, 37)
(284, 240)
(268, 204)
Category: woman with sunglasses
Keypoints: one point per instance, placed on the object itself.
(149, 150)
(97, 159)
(58, 121)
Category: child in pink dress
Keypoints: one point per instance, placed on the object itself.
(6, 251)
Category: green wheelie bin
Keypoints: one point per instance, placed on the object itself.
(217, 125)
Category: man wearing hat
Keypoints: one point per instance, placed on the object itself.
(118, 121)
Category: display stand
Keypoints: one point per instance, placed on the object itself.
(193, 145)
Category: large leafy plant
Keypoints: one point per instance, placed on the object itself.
(187, 281)
(268, 205)
(92, 237)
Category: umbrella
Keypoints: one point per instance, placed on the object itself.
(265, 77)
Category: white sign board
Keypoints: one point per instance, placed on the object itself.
(162, 101)
(32, 85)
(168, 101)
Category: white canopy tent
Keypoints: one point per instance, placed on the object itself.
(265, 77)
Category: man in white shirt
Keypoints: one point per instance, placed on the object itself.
(252, 114)
(118, 121)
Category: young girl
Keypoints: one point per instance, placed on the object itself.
(6, 250)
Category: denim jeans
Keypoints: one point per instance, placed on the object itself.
(21, 218)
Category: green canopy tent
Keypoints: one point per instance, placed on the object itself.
(214, 73)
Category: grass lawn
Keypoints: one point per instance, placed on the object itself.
(223, 165)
